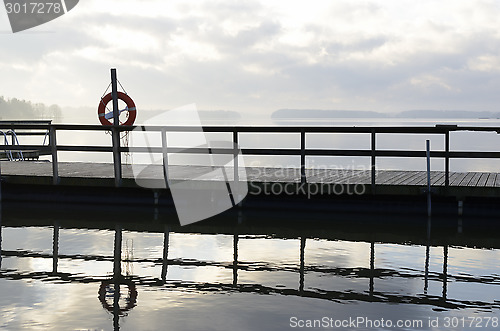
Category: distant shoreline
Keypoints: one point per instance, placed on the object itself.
(317, 114)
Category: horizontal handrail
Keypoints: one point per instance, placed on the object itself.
(259, 129)
(262, 151)
(30, 122)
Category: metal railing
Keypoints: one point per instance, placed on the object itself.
(53, 147)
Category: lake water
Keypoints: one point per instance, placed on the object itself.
(244, 271)
(65, 269)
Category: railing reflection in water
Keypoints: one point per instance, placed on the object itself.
(119, 294)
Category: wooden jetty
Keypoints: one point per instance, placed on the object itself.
(399, 185)
(462, 184)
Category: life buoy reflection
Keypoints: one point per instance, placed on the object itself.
(110, 296)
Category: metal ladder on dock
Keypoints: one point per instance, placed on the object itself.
(8, 153)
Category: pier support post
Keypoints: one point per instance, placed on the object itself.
(303, 156)
(445, 271)
(373, 169)
(53, 147)
(372, 267)
(117, 158)
(116, 306)
(117, 257)
(164, 147)
(302, 263)
(427, 258)
(235, 258)
(447, 159)
(460, 214)
(428, 152)
(55, 247)
(236, 177)
(117, 276)
(427, 254)
(166, 239)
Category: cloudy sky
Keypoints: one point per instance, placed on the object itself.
(259, 56)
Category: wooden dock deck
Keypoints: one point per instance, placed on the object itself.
(461, 184)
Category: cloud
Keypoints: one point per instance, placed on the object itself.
(259, 56)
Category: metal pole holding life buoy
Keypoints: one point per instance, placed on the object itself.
(117, 160)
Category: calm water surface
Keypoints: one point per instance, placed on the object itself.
(242, 274)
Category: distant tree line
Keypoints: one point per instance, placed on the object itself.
(15, 109)
(424, 113)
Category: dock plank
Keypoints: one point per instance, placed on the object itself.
(441, 180)
(406, 177)
(466, 179)
(350, 176)
(483, 179)
(421, 177)
(423, 181)
(386, 175)
(475, 179)
(491, 180)
(438, 179)
(497, 181)
(391, 177)
(457, 178)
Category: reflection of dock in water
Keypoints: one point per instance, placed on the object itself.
(301, 270)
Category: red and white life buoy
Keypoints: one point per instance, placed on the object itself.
(101, 111)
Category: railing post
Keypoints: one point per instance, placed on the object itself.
(235, 156)
(117, 159)
(53, 147)
(12, 136)
(303, 156)
(164, 147)
(447, 159)
(373, 169)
